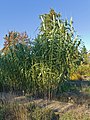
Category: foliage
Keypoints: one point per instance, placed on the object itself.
(39, 67)
(58, 47)
(14, 66)
(83, 71)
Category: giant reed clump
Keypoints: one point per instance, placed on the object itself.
(41, 66)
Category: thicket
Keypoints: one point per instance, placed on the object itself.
(41, 65)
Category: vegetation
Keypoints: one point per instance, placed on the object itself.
(83, 71)
(74, 115)
(41, 67)
(20, 112)
(33, 111)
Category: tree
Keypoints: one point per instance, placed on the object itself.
(14, 38)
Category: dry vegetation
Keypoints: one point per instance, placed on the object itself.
(69, 106)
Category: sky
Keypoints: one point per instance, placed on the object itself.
(23, 15)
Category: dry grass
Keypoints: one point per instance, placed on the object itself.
(74, 106)
(79, 113)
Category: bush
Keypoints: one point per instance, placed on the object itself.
(76, 76)
(83, 72)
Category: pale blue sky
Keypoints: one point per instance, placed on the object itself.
(23, 15)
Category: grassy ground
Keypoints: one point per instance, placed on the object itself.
(73, 104)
